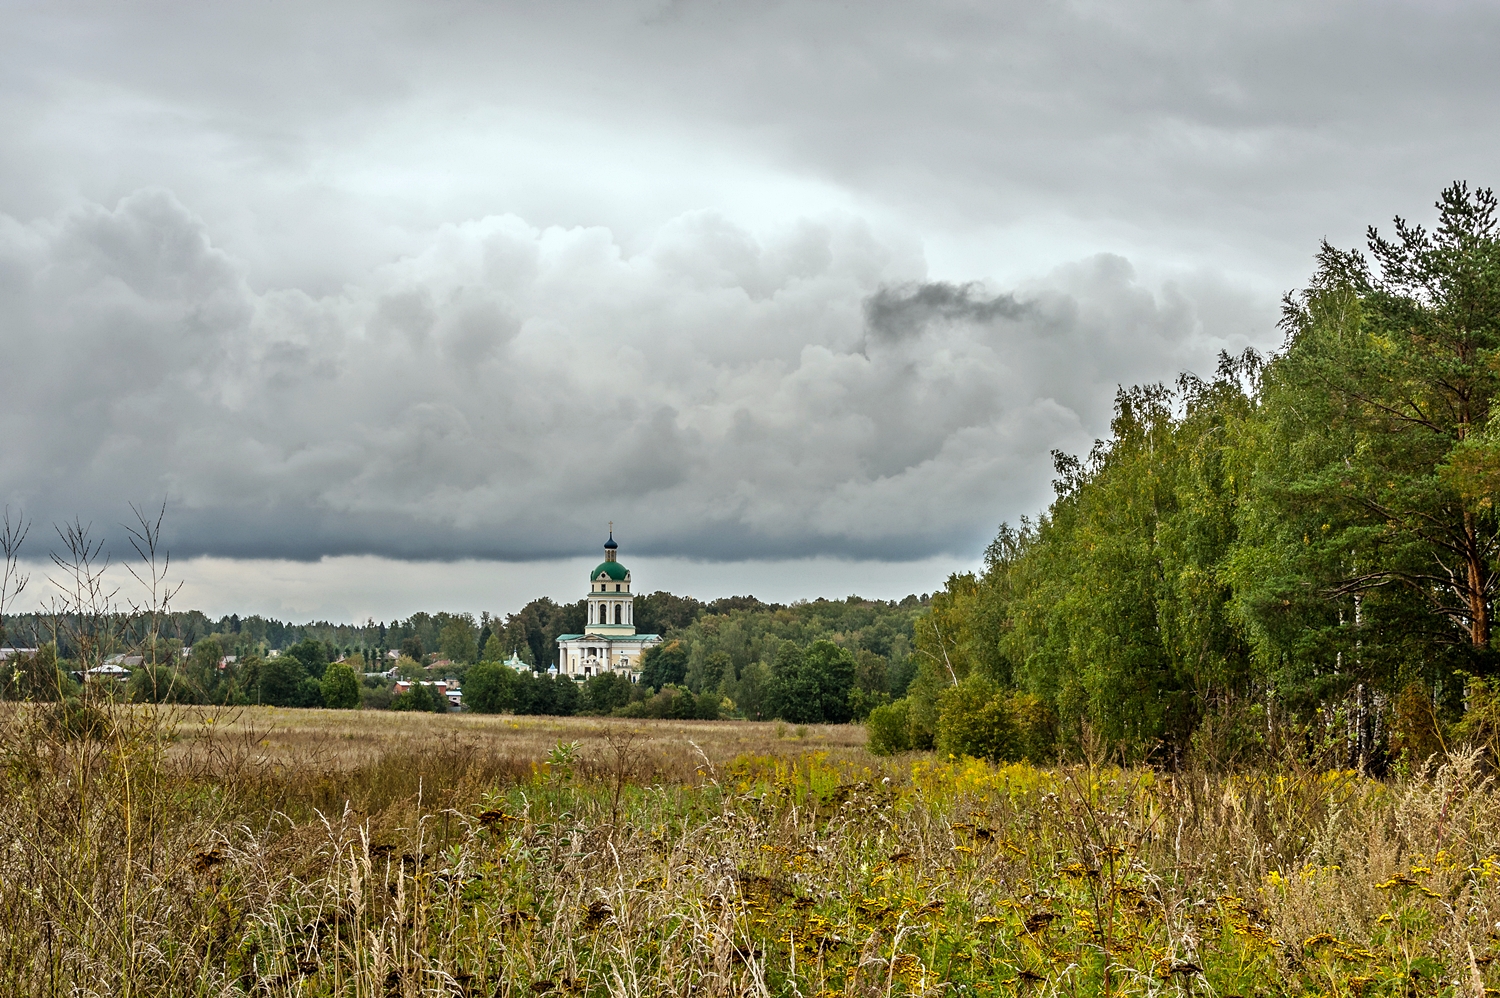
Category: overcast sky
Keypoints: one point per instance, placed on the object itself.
(398, 304)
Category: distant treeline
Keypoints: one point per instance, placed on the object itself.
(1298, 555)
(531, 632)
(824, 660)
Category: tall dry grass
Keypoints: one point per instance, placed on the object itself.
(305, 854)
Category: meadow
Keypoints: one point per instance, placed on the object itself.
(148, 851)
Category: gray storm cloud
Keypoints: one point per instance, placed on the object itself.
(892, 312)
(507, 389)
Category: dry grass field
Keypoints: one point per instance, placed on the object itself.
(301, 853)
(353, 739)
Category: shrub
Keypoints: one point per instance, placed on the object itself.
(1035, 726)
(73, 719)
(973, 721)
(977, 718)
(35, 677)
(710, 706)
(418, 697)
(1480, 726)
(376, 697)
(674, 703)
(888, 728)
(160, 684)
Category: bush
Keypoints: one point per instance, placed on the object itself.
(973, 721)
(675, 703)
(35, 677)
(418, 697)
(1229, 735)
(73, 719)
(887, 725)
(309, 693)
(340, 687)
(1480, 726)
(376, 697)
(710, 706)
(1035, 726)
(161, 684)
(977, 718)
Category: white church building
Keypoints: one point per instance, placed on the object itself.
(608, 642)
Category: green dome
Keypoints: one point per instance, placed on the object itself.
(613, 569)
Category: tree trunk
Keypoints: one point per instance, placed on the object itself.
(1479, 611)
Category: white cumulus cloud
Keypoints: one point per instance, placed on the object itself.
(506, 389)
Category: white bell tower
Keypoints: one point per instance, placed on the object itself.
(610, 604)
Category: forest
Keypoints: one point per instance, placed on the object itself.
(1294, 555)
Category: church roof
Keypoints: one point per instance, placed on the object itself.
(613, 569)
(611, 638)
(610, 544)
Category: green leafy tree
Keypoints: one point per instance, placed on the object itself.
(490, 688)
(752, 691)
(788, 695)
(311, 654)
(206, 655)
(411, 647)
(707, 670)
(309, 693)
(709, 706)
(161, 684)
(665, 665)
(604, 694)
(829, 670)
(532, 632)
(566, 696)
(277, 682)
(662, 612)
(673, 702)
(1379, 467)
(339, 687)
(458, 639)
(812, 686)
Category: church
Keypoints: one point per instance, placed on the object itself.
(608, 642)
